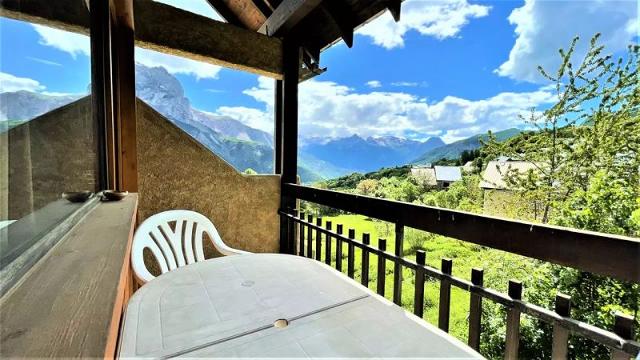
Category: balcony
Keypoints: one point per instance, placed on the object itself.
(65, 289)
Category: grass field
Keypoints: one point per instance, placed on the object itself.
(499, 266)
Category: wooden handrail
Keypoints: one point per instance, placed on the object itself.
(605, 254)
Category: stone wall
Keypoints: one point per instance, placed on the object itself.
(177, 172)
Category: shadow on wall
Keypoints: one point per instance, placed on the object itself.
(52, 153)
(177, 172)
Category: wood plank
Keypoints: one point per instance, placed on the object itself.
(163, 28)
(125, 90)
(512, 338)
(69, 304)
(287, 15)
(220, 6)
(475, 310)
(289, 133)
(560, 338)
(248, 14)
(584, 250)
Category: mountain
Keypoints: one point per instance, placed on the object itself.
(24, 105)
(232, 128)
(453, 150)
(369, 154)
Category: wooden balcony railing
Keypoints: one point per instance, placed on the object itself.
(610, 255)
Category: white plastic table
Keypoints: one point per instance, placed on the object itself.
(228, 307)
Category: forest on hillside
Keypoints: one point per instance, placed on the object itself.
(585, 174)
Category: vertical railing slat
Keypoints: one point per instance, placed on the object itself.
(397, 267)
(351, 256)
(444, 308)
(623, 327)
(318, 240)
(327, 244)
(475, 310)
(301, 232)
(418, 294)
(513, 322)
(382, 271)
(339, 249)
(364, 275)
(560, 344)
(309, 237)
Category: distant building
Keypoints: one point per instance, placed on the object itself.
(425, 176)
(468, 167)
(494, 175)
(447, 175)
(499, 199)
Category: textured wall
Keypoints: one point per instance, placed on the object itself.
(48, 155)
(176, 172)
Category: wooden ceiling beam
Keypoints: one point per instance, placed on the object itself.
(248, 14)
(264, 7)
(287, 15)
(221, 8)
(341, 15)
(394, 8)
(166, 29)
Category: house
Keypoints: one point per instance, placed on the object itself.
(499, 198)
(447, 175)
(424, 175)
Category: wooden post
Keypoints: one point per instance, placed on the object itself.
(124, 85)
(318, 240)
(288, 132)
(560, 345)
(445, 296)
(339, 249)
(513, 322)
(397, 268)
(277, 128)
(418, 295)
(364, 274)
(351, 254)
(623, 327)
(475, 310)
(101, 91)
(309, 237)
(301, 234)
(327, 242)
(382, 269)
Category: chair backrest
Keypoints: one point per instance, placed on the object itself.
(174, 247)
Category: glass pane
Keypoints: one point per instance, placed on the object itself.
(47, 134)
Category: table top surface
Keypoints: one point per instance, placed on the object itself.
(228, 307)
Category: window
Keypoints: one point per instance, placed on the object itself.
(48, 139)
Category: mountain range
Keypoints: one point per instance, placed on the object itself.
(245, 147)
(453, 150)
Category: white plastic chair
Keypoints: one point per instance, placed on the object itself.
(174, 248)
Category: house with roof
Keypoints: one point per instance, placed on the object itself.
(447, 175)
(500, 198)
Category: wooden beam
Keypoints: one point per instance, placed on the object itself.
(584, 250)
(166, 29)
(265, 9)
(341, 15)
(125, 91)
(101, 86)
(220, 6)
(287, 15)
(248, 14)
(394, 8)
(289, 136)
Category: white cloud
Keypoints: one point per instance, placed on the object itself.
(328, 109)
(437, 18)
(10, 83)
(76, 44)
(177, 65)
(543, 27)
(199, 7)
(71, 43)
(374, 84)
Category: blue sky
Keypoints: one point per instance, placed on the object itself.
(450, 68)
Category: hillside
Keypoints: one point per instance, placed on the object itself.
(453, 150)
